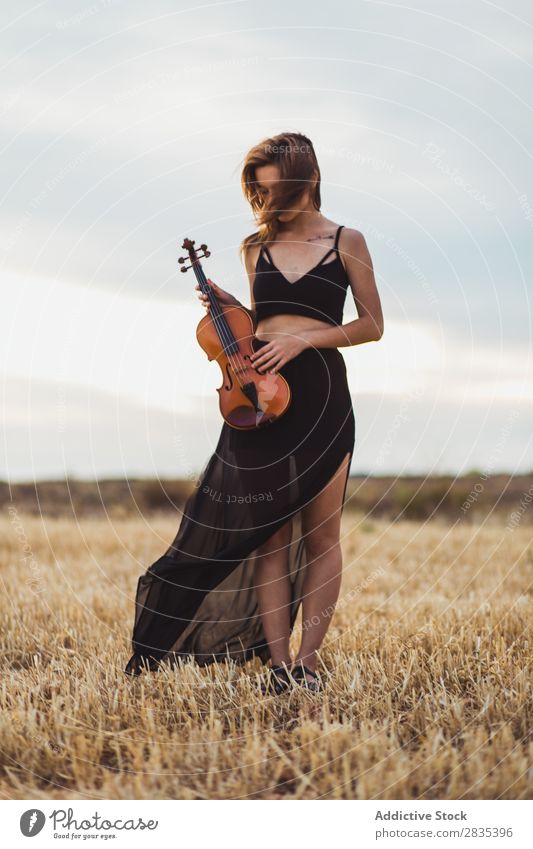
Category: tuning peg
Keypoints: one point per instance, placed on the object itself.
(181, 260)
(188, 245)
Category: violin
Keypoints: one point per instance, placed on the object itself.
(247, 399)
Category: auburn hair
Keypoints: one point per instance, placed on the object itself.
(295, 155)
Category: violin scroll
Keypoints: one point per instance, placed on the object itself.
(193, 255)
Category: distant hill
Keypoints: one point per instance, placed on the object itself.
(472, 497)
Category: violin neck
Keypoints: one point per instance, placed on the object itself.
(205, 287)
(227, 339)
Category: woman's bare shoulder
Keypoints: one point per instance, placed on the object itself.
(353, 242)
(250, 254)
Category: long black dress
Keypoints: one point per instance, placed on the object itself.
(198, 600)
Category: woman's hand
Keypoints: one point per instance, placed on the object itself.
(272, 356)
(224, 297)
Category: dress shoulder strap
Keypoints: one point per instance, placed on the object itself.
(336, 245)
(264, 249)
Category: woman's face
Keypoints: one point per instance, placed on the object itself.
(267, 176)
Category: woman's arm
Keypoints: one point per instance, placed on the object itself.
(369, 326)
(250, 270)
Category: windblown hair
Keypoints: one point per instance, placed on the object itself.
(296, 158)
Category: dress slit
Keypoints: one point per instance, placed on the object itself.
(198, 600)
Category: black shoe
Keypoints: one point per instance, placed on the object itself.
(279, 681)
(299, 672)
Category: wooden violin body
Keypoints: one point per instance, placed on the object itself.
(247, 398)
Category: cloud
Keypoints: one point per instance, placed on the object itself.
(123, 131)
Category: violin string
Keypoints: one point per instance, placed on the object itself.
(237, 360)
(224, 333)
(219, 320)
(216, 315)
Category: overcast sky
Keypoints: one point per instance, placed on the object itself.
(123, 130)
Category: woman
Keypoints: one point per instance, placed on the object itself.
(260, 534)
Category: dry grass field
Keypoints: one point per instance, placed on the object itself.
(427, 667)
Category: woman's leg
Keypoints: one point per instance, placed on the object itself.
(321, 520)
(273, 591)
